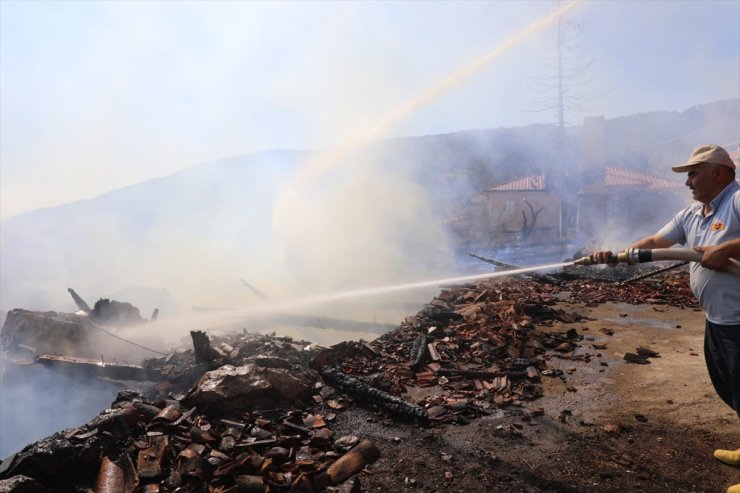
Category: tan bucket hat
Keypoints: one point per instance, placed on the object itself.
(708, 153)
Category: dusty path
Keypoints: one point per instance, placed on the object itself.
(674, 386)
(611, 427)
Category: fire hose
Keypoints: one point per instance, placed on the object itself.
(633, 256)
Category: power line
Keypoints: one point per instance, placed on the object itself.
(124, 340)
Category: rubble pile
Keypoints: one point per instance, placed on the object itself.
(478, 345)
(245, 421)
(179, 371)
(144, 446)
(245, 412)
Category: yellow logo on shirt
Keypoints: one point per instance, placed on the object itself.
(718, 226)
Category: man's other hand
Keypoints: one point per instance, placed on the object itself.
(714, 258)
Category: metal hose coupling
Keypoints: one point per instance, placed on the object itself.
(611, 259)
(633, 256)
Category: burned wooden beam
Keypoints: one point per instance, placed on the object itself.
(79, 301)
(204, 353)
(369, 394)
(95, 368)
(419, 354)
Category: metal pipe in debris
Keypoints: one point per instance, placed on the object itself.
(654, 272)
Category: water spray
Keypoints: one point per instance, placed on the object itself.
(633, 256)
(325, 162)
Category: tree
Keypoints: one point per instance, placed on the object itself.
(528, 227)
(565, 74)
(563, 82)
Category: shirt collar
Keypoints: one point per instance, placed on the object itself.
(729, 189)
(716, 201)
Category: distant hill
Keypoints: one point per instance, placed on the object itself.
(377, 218)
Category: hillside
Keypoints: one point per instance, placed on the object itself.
(377, 217)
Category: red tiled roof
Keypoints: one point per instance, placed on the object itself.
(620, 177)
(613, 177)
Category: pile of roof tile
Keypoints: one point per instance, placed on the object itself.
(477, 345)
(671, 289)
(249, 423)
(250, 413)
(163, 447)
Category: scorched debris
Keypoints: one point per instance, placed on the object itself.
(250, 413)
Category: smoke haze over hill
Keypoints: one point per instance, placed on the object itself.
(378, 218)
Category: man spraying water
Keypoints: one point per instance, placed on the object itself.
(711, 225)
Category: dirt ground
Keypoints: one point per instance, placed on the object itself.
(611, 426)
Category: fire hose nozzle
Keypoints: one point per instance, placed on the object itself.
(621, 257)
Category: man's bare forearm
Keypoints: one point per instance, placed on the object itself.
(653, 241)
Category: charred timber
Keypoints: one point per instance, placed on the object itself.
(419, 352)
(79, 301)
(95, 368)
(365, 392)
(204, 353)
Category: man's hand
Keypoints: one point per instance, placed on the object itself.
(604, 257)
(716, 257)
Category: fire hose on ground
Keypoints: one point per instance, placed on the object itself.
(633, 256)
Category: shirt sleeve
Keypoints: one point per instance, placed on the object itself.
(674, 230)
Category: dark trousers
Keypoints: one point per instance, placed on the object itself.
(722, 352)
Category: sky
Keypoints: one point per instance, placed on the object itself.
(98, 95)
